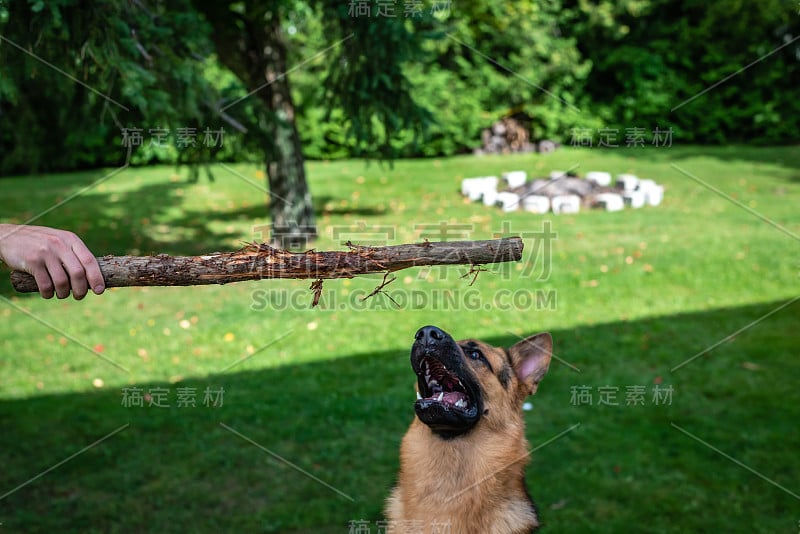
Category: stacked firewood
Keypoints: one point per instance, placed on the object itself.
(510, 135)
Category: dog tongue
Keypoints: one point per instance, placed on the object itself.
(452, 397)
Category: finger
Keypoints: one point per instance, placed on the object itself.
(59, 277)
(77, 275)
(43, 281)
(90, 266)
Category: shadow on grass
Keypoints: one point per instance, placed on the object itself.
(183, 469)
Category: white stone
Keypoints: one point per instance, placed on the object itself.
(515, 178)
(634, 199)
(555, 175)
(508, 201)
(610, 201)
(627, 182)
(536, 203)
(600, 178)
(489, 197)
(645, 184)
(467, 184)
(474, 188)
(566, 204)
(653, 193)
(489, 185)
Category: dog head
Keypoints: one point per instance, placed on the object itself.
(459, 384)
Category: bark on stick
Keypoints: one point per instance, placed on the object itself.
(258, 261)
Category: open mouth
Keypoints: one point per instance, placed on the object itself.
(437, 385)
(448, 395)
(448, 403)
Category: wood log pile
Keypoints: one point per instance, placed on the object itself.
(509, 135)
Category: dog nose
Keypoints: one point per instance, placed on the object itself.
(429, 334)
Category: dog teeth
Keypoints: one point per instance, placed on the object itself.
(440, 397)
(419, 397)
(461, 403)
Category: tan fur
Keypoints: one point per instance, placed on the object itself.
(475, 483)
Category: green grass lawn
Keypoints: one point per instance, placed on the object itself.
(628, 296)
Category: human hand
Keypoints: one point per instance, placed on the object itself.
(57, 259)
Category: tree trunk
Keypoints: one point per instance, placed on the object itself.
(290, 198)
(251, 45)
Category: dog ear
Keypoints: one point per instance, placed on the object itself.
(531, 358)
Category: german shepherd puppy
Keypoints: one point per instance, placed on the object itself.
(463, 459)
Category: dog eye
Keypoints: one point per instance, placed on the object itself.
(475, 354)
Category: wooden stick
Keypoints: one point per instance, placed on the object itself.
(258, 261)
